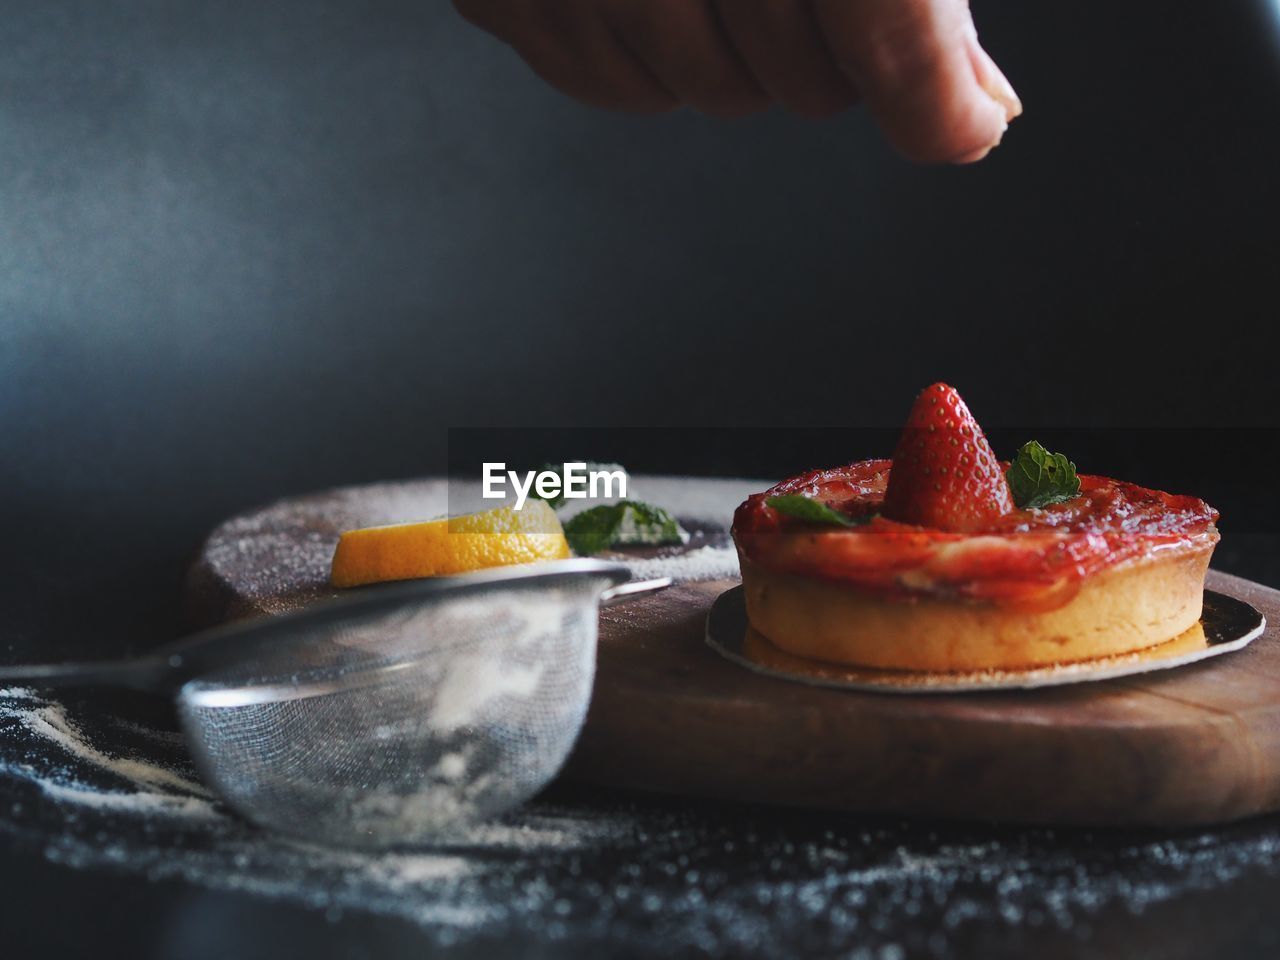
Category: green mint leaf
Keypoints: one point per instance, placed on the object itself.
(627, 523)
(1038, 478)
(592, 530)
(815, 511)
(558, 501)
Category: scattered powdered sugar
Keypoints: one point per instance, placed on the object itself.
(473, 681)
(703, 563)
(599, 872)
(147, 786)
(50, 721)
(138, 801)
(452, 766)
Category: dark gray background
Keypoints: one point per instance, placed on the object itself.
(249, 249)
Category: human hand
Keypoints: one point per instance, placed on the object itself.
(916, 64)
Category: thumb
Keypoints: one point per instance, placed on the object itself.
(934, 91)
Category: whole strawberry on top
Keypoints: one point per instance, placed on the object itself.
(945, 474)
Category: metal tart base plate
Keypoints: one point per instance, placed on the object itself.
(1226, 625)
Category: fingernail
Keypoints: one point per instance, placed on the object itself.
(992, 80)
(1001, 90)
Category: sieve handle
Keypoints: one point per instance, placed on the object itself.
(624, 591)
(145, 673)
(159, 673)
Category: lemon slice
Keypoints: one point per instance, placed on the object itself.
(440, 548)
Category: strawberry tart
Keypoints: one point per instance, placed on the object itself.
(945, 559)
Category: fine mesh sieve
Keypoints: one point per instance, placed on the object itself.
(391, 717)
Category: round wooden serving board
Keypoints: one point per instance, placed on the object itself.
(1198, 744)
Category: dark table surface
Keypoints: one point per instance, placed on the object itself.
(584, 872)
(251, 250)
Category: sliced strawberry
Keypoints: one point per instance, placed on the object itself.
(944, 473)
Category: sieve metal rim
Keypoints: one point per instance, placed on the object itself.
(242, 695)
